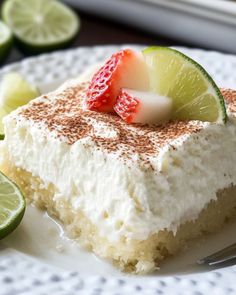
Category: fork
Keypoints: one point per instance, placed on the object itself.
(227, 254)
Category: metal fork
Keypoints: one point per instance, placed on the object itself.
(225, 255)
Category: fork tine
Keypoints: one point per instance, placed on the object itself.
(224, 255)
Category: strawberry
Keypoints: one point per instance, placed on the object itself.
(127, 106)
(142, 107)
(125, 68)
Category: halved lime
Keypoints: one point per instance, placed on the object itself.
(15, 91)
(41, 24)
(194, 94)
(5, 40)
(12, 206)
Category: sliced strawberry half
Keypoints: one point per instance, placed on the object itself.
(142, 107)
(125, 69)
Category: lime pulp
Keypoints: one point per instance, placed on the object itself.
(41, 24)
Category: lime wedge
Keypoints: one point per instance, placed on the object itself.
(12, 206)
(41, 25)
(5, 41)
(15, 91)
(194, 94)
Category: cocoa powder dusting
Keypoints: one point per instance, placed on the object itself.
(230, 99)
(63, 112)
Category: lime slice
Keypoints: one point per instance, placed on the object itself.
(41, 24)
(194, 94)
(12, 206)
(15, 91)
(5, 41)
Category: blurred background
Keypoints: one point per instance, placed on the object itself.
(208, 24)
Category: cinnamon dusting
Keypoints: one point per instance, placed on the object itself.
(63, 113)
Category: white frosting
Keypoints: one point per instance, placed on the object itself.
(127, 200)
(120, 197)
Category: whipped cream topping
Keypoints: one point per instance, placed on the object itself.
(63, 115)
(129, 180)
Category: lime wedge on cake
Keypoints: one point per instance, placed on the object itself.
(15, 91)
(194, 94)
(12, 206)
(5, 40)
(41, 25)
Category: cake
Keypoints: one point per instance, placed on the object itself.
(131, 193)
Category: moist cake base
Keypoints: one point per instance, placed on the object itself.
(138, 256)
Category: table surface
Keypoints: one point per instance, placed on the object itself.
(97, 31)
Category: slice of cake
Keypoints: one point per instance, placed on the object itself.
(131, 193)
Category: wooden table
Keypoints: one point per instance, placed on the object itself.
(97, 31)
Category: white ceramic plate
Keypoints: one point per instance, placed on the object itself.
(38, 259)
